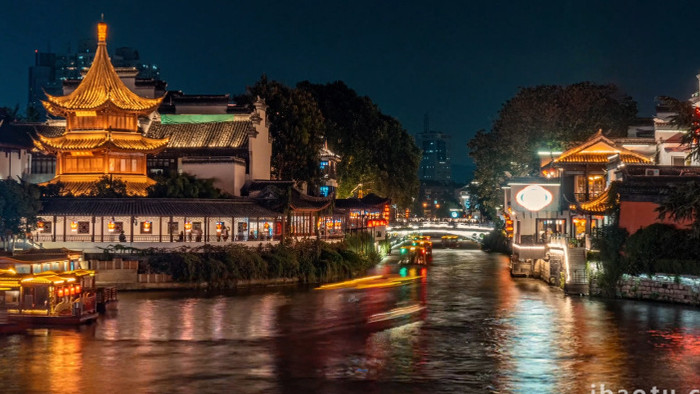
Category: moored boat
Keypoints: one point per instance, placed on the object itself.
(49, 298)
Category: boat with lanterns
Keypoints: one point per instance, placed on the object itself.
(49, 298)
(46, 287)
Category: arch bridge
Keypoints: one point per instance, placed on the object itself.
(466, 232)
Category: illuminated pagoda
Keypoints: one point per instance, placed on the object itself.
(102, 136)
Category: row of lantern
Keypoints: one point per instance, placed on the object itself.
(330, 223)
(368, 214)
(68, 291)
(376, 223)
(111, 226)
(145, 226)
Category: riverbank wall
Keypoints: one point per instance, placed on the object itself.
(665, 288)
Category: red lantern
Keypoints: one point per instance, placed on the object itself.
(72, 290)
(60, 292)
(77, 289)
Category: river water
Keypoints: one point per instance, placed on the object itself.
(480, 331)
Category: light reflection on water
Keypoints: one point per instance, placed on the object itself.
(481, 331)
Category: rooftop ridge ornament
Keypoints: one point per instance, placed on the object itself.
(102, 32)
(101, 87)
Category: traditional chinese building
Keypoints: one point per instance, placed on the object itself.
(102, 135)
(550, 218)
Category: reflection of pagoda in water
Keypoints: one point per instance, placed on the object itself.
(102, 135)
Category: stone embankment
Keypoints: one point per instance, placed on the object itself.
(681, 290)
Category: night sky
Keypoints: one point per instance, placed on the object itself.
(456, 60)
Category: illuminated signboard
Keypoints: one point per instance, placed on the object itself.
(534, 197)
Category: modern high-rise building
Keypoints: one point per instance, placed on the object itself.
(435, 165)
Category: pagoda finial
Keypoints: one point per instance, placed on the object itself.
(102, 31)
(102, 17)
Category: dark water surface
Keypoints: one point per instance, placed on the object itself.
(481, 331)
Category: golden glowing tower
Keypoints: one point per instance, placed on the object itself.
(102, 134)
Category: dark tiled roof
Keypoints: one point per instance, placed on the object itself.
(49, 131)
(165, 207)
(22, 135)
(15, 136)
(40, 255)
(370, 201)
(635, 170)
(303, 202)
(241, 152)
(202, 135)
(635, 141)
(259, 185)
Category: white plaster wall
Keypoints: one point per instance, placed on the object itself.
(227, 176)
(260, 146)
(18, 162)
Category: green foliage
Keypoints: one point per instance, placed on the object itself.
(609, 242)
(377, 152)
(682, 204)
(19, 206)
(33, 114)
(384, 247)
(496, 241)
(649, 253)
(538, 118)
(8, 114)
(684, 118)
(56, 189)
(108, 187)
(183, 186)
(363, 244)
(308, 261)
(297, 129)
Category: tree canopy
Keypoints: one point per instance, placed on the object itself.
(19, 206)
(107, 187)
(686, 117)
(297, 129)
(376, 150)
(183, 185)
(546, 117)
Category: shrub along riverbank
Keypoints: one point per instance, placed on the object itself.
(308, 261)
(658, 248)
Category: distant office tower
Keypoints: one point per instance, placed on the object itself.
(52, 71)
(435, 165)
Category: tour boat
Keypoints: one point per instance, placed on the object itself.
(49, 298)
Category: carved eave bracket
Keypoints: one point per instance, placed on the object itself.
(252, 132)
(256, 118)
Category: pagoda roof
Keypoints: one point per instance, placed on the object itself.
(82, 184)
(100, 87)
(599, 206)
(91, 140)
(598, 149)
